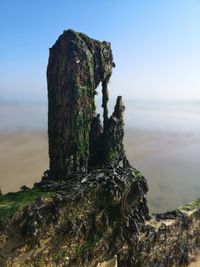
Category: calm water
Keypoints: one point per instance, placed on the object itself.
(23, 117)
(146, 115)
(165, 116)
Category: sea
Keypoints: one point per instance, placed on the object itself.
(173, 116)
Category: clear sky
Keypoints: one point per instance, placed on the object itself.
(156, 45)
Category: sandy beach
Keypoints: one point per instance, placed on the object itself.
(23, 158)
(169, 161)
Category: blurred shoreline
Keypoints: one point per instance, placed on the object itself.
(168, 161)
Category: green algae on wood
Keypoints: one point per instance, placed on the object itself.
(77, 65)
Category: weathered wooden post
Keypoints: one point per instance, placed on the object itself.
(77, 64)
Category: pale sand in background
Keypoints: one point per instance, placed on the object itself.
(170, 162)
(23, 159)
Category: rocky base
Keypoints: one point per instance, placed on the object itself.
(92, 216)
(101, 220)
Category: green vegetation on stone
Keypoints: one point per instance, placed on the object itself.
(12, 202)
(191, 206)
(88, 246)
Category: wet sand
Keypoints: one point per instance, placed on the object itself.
(169, 161)
(23, 159)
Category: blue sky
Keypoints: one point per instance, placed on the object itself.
(156, 45)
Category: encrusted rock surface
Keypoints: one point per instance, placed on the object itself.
(103, 214)
(85, 224)
(109, 263)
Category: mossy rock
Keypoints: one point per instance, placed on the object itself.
(11, 203)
